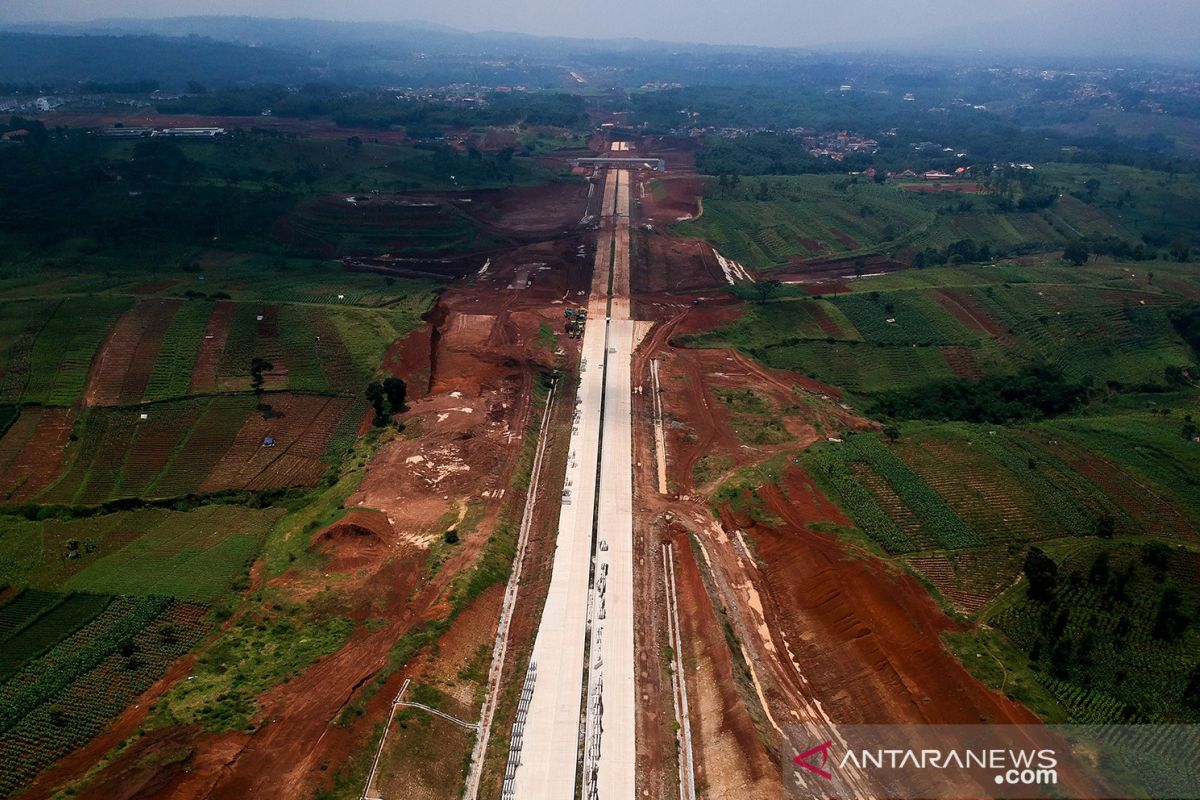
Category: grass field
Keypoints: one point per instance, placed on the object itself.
(193, 555)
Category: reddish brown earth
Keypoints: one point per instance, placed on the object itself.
(680, 198)
(939, 188)
(216, 333)
(968, 311)
(845, 239)
(122, 368)
(300, 426)
(1183, 287)
(811, 245)
(961, 362)
(31, 452)
(826, 324)
(356, 540)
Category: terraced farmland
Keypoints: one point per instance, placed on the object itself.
(63, 351)
(31, 451)
(125, 362)
(803, 217)
(20, 323)
(56, 702)
(201, 444)
(179, 349)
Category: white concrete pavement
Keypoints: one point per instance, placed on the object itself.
(575, 605)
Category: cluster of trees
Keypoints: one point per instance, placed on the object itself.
(1016, 189)
(363, 108)
(473, 166)
(68, 185)
(1047, 587)
(1077, 251)
(394, 391)
(1185, 320)
(1034, 393)
(964, 251)
(769, 154)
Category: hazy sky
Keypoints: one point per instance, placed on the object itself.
(765, 22)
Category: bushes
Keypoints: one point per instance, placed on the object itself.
(1035, 393)
(1186, 322)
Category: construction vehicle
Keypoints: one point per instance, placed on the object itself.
(575, 321)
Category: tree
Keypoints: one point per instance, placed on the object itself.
(355, 144)
(1106, 526)
(1076, 252)
(1180, 250)
(1060, 660)
(257, 367)
(375, 395)
(1098, 575)
(766, 290)
(1191, 692)
(396, 391)
(891, 433)
(1042, 574)
(1170, 622)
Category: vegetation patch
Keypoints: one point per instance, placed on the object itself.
(1110, 630)
(1034, 393)
(58, 701)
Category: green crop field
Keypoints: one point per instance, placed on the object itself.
(1103, 325)
(66, 345)
(813, 216)
(193, 555)
(48, 628)
(115, 649)
(172, 373)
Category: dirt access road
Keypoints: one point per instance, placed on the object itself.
(781, 621)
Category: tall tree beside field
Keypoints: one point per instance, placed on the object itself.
(257, 367)
(376, 394)
(396, 391)
(1042, 574)
(1076, 252)
(766, 290)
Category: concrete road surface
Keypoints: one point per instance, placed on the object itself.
(582, 602)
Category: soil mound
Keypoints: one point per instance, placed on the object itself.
(359, 539)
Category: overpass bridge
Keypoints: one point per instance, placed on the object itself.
(626, 163)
